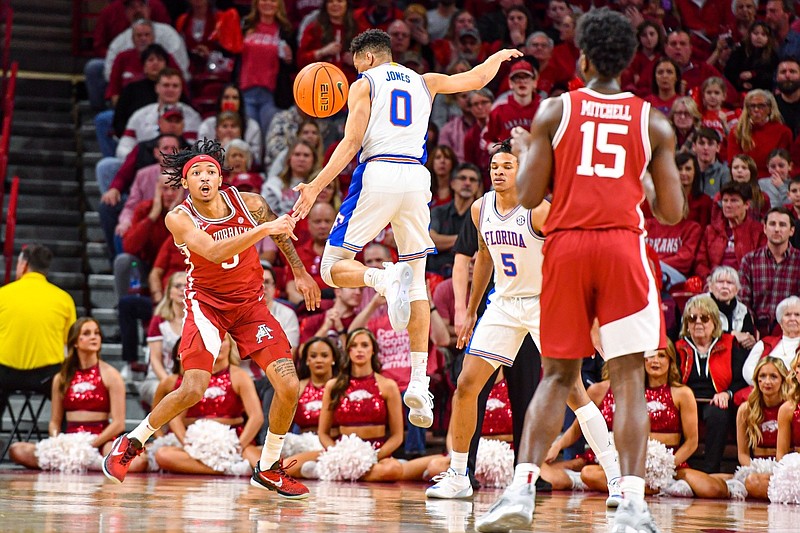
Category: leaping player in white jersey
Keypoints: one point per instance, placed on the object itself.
(387, 125)
(510, 243)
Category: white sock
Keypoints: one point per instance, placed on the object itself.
(632, 488)
(419, 365)
(271, 451)
(458, 462)
(525, 473)
(370, 276)
(143, 431)
(595, 430)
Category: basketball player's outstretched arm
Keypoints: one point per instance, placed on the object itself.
(667, 205)
(360, 106)
(306, 285)
(480, 279)
(534, 151)
(198, 241)
(471, 80)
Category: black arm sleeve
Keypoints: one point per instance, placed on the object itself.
(467, 241)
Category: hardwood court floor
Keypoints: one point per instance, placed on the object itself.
(36, 502)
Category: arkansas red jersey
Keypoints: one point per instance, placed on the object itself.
(235, 281)
(601, 151)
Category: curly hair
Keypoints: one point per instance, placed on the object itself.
(607, 40)
(372, 40)
(173, 163)
(755, 402)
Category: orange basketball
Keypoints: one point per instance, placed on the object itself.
(320, 90)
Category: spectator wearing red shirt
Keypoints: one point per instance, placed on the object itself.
(707, 18)
(700, 204)
(328, 36)
(726, 242)
(446, 50)
(480, 104)
(561, 67)
(169, 260)
(117, 16)
(637, 77)
(693, 73)
(760, 131)
(676, 246)
(320, 221)
(207, 30)
(335, 321)
(378, 14)
(520, 107)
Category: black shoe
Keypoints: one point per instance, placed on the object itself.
(543, 486)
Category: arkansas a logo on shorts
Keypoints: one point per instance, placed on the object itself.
(263, 331)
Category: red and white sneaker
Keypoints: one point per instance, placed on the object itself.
(278, 480)
(118, 460)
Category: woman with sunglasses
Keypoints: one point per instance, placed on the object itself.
(710, 363)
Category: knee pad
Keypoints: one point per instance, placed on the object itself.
(419, 289)
(330, 257)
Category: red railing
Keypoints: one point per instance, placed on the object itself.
(11, 227)
(5, 53)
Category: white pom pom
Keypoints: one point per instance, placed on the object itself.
(213, 444)
(294, 444)
(348, 459)
(784, 485)
(166, 440)
(68, 452)
(494, 466)
(756, 466)
(660, 468)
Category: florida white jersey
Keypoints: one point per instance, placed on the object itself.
(515, 247)
(398, 122)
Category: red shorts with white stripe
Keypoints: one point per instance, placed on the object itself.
(257, 334)
(603, 274)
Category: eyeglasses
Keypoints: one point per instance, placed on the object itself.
(703, 318)
(757, 106)
(471, 179)
(481, 103)
(681, 114)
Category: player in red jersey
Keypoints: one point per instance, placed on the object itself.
(216, 229)
(593, 148)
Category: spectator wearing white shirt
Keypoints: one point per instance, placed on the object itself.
(786, 347)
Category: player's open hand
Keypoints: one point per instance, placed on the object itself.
(465, 331)
(308, 195)
(520, 140)
(309, 289)
(507, 54)
(282, 224)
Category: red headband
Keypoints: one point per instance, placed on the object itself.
(200, 159)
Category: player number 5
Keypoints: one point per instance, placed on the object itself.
(587, 168)
(508, 262)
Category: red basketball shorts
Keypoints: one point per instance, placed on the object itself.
(603, 274)
(256, 332)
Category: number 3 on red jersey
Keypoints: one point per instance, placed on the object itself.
(234, 261)
(602, 130)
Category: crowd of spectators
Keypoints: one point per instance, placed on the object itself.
(726, 73)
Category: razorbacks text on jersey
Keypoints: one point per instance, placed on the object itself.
(398, 122)
(601, 149)
(235, 281)
(515, 247)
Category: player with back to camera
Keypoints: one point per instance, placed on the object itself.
(592, 147)
(389, 108)
(217, 229)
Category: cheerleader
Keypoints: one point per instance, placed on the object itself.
(90, 394)
(758, 424)
(364, 404)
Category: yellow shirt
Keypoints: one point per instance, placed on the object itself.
(35, 317)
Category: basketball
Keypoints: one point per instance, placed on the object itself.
(320, 90)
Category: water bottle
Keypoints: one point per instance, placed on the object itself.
(135, 285)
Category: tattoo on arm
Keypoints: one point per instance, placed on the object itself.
(284, 368)
(265, 214)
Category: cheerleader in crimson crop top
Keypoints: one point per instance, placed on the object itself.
(757, 421)
(361, 402)
(230, 396)
(317, 366)
(88, 392)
